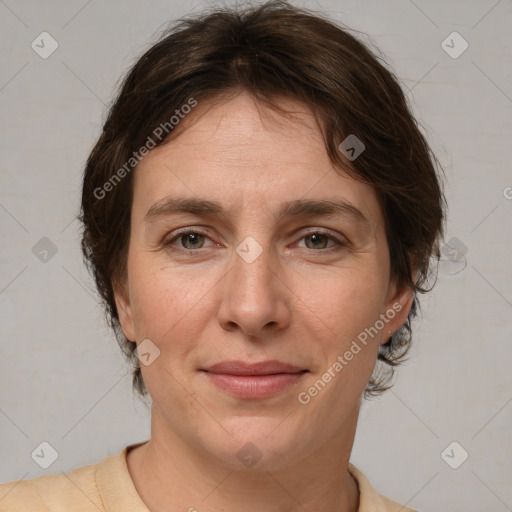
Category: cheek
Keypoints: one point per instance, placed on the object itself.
(342, 303)
(170, 308)
(349, 306)
(167, 303)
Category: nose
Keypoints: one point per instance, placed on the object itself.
(255, 298)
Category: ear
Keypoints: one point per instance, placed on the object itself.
(398, 306)
(124, 310)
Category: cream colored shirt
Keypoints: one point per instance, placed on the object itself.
(108, 487)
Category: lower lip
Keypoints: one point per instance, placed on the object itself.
(254, 386)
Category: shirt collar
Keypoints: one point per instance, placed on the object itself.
(115, 484)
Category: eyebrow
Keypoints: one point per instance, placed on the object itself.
(300, 207)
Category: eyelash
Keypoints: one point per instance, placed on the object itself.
(169, 242)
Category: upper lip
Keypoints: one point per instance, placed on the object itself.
(262, 368)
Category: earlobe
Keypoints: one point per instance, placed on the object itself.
(398, 309)
(124, 310)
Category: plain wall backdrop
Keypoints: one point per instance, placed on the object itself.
(62, 377)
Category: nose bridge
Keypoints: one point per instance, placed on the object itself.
(253, 297)
(252, 269)
(252, 263)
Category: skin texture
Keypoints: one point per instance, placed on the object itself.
(303, 301)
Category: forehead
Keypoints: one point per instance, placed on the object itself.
(242, 152)
(245, 129)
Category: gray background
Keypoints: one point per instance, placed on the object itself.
(62, 377)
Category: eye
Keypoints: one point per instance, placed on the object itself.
(190, 240)
(319, 240)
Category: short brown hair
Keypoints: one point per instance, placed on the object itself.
(270, 51)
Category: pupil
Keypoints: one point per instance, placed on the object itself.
(192, 239)
(317, 239)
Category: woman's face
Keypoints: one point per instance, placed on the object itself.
(268, 272)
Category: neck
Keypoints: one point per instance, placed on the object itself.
(171, 474)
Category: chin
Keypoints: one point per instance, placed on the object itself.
(257, 444)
